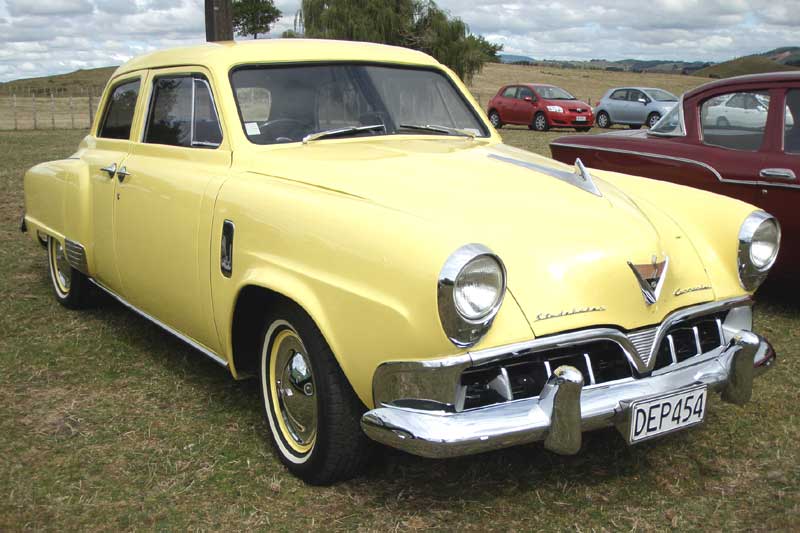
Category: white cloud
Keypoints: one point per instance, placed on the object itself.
(39, 37)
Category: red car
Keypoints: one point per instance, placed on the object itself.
(739, 137)
(540, 107)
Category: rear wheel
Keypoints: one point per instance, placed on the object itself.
(71, 288)
(494, 118)
(603, 120)
(540, 122)
(653, 119)
(312, 412)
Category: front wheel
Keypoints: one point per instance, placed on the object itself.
(71, 288)
(313, 414)
(653, 119)
(540, 122)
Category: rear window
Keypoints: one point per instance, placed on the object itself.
(118, 116)
(791, 122)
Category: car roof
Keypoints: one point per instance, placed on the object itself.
(770, 77)
(226, 55)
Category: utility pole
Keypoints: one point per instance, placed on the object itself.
(219, 21)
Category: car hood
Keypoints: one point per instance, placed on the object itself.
(566, 250)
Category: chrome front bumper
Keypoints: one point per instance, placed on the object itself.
(565, 409)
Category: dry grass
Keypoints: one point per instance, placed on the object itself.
(110, 424)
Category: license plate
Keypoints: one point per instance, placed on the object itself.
(580, 119)
(665, 414)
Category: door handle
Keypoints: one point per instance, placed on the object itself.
(122, 173)
(777, 173)
(110, 170)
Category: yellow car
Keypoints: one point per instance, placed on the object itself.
(341, 222)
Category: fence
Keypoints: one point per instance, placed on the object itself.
(47, 112)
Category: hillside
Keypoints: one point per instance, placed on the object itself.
(73, 83)
(755, 64)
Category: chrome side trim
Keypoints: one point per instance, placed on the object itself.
(579, 178)
(194, 344)
(708, 167)
(76, 256)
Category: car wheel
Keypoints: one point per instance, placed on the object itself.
(312, 412)
(653, 119)
(540, 122)
(603, 120)
(583, 129)
(71, 288)
(722, 122)
(494, 118)
(635, 126)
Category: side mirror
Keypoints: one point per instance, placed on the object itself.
(643, 101)
(528, 99)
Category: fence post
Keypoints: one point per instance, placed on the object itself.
(14, 106)
(52, 111)
(35, 121)
(71, 113)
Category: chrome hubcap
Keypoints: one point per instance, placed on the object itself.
(653, 120)
(294, 382)
(603, 121)
(495, 119)
(62, 268)
(540, 122)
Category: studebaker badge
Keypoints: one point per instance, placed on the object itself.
(341, 222)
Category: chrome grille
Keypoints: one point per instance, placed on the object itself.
(643, 341)
(691, 339)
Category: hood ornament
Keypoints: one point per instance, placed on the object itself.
(579, 177)
(651, 278)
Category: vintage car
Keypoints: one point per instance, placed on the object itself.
(342, 223)
(633, 106)
(540, 107)
(739, 137)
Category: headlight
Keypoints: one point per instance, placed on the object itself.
(555, 108)
(471, 287)
(759, 242)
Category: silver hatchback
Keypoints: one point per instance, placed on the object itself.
(633, 106)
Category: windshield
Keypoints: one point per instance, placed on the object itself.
(671, 124)
(661, 96)
(553, 93)
(280, 104)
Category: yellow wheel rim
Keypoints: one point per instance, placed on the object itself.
(293, 391)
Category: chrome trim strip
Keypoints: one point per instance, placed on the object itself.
(76, 256)
(673, 354)
(194, 344)
(579, 178)
(682, 160)
(589, 368)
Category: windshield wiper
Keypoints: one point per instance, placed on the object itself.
(340, 132)
(439, 129)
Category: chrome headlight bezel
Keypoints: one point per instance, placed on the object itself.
(751, 275)
(462, 330)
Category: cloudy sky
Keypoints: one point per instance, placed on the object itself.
(39, 37)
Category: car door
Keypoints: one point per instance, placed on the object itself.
(105, 153)
(526, 104)
(616, 104)
(165, 200)
(779, 190)
(637, 107)
(507, 105)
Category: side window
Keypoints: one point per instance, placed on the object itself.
(525, 92)
(635, 96)
(182, 113)
(118, 116)
(621, 94)
(738, 124)
(791, 122)
(510, 92)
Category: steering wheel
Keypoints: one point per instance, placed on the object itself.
(283, 128)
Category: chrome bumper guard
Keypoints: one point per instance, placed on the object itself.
(565, 409)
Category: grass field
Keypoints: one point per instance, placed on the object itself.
(110, 424)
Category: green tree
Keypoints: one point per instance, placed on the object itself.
(251, 17)
(417, 24)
